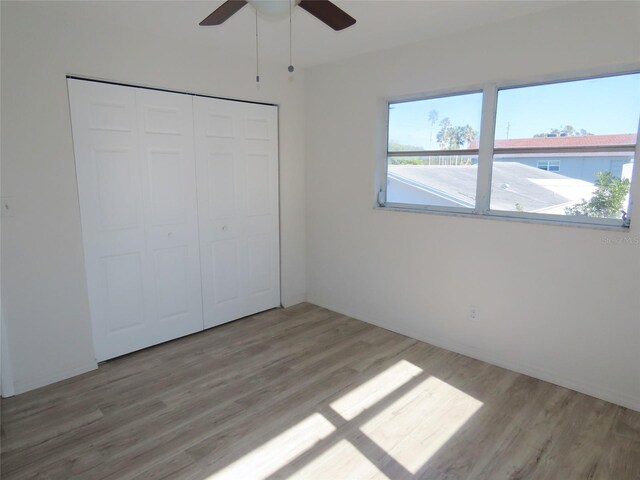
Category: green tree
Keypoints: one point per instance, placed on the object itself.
(606, 201)
(451, 137)
(433, 119)
(395, 146)
(454, 137)
(564, 131)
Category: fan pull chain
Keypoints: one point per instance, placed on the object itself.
(291, 69)
(257, 54)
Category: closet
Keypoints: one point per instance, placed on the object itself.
(179, 206)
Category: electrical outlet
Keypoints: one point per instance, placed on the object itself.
(473, 312)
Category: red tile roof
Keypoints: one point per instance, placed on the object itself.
(552, 142)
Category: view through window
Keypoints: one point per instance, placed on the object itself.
(430, 161)
(564, 149)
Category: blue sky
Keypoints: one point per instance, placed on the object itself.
(600, 106)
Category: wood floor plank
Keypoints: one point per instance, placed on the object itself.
(308, 393)
(135, 439)
(296, 393)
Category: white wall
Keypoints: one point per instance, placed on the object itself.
(572, 314)
(560, 303)
(44, 294)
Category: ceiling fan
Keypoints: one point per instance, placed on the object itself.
(323, 10)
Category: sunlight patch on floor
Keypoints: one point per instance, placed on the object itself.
(414, 427)
(369, 393)
(279, 451)
(343, 460)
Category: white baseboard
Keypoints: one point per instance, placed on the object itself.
(7, 387)
(22, 386)
(593, 390)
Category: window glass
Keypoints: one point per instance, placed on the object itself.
(549, 165)
(442, 124)
(577, 141)
(441, 181)
(591, 112)
(598, 187)
(446, 123)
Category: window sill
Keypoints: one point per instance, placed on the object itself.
(503, 217)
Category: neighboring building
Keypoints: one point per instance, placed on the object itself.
(583, 166)
(515, 187)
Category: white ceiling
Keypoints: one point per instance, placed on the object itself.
(380, 24)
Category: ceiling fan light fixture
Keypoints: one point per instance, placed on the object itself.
(273, 9)
(324, 10)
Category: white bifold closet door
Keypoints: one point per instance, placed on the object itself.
(179, 205)
(237, 166)
(136, 178)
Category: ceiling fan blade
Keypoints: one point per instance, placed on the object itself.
(223, 12)
(328, 13)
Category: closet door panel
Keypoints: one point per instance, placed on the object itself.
(225, 267)
(260, 134)
(220, 176)
(237, 172)
(136, 179)
(112, 211)
(165, 126)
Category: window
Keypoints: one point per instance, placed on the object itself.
(429, 159)
(448, 154)
(549, 165)
(589, 125)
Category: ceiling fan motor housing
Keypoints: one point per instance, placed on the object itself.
(323, 10)
(273, 9)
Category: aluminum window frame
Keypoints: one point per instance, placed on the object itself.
(486, 151)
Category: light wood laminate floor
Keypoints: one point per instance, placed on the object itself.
(308, 393)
